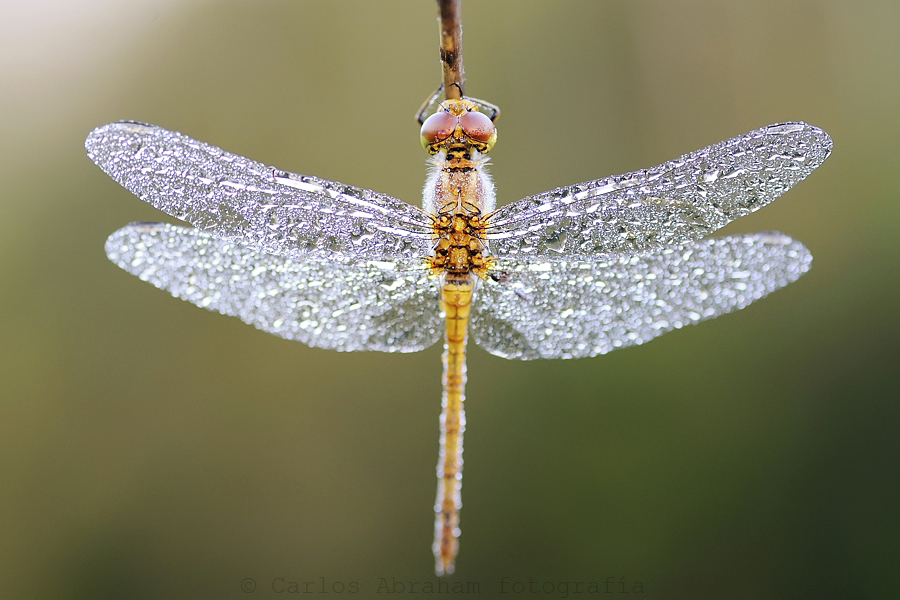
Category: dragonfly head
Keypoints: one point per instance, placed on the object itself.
(458, 122)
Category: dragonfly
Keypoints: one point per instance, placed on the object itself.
(574, 272)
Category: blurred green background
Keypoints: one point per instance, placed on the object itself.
(150, 449)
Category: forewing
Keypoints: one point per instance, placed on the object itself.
(389, 307)
(235, 198)
(577, 309)
(676, 202)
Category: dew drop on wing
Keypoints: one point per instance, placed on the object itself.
(353, 192)
(557, 242)
(710, 176)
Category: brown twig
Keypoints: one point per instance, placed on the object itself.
(451, 48)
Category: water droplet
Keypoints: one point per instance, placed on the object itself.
(557, 242)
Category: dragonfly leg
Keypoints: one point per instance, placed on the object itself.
(494, 110)
(422, 113)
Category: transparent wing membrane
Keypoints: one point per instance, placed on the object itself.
(580, 309)
(239, 199)
(373, 305)
(679, 201)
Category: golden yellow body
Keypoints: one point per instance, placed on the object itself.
(456, 299)
(458, 193)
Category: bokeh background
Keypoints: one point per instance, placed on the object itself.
(150, 449)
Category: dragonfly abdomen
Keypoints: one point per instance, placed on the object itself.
(456, 300)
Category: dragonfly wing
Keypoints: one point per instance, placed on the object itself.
(676, 202)
(238, 199)
(389, 307)
(578, 309)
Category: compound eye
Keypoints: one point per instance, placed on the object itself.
(437, 127)
(477, 126)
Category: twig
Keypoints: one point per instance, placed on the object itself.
(451, 48)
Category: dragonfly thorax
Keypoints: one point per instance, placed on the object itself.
(459, 249)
